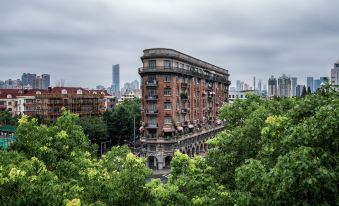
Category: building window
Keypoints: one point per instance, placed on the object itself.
(167, 78)
(168, 105)
(152, 64)
(168, 120)
(9, 103)
(152, 121)
(167, 64)
(152, 148)
(152, 79)
(152, 92)
(167, 91)
(152, 107)
(176, 64)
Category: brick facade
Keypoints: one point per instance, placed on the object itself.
(181, 97)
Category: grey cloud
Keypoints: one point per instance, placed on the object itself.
(80, 40)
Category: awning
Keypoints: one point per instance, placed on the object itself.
(8, 128)
(180, 128)
(169, 129)
(190, 126)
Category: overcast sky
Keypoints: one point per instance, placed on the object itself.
(79, 40)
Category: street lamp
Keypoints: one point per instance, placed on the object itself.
(134, 131)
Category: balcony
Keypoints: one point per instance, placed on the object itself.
(184, 85)
(153, 83)
(183, 96)
(219, 78)
(28, 103)
(151, 126)
(184, 111)
(30, 113)
(152, 97)
(151, 112)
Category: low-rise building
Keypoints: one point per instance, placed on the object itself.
(47, 103)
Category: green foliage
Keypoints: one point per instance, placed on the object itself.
(6, 118)
(120, 121)
(272, 152)
(281, 152)
(94, 127)
(303, 92)
(54, 165)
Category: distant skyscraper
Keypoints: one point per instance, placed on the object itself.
(238, 85)
(264, 87)
(259, 86)
(38, 83)
(135, 85)
(335, 74)
(100, 87)
(27, 79)
(272, 87)
(284, 86)
(116, 80)
(310, 83)
(323, 80)
(46, 80)
(316, 84)
(294, 85)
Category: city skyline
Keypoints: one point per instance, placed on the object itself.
(79, 42)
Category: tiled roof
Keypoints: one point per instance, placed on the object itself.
(55, 90)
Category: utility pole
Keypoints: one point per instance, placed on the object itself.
(134, 131)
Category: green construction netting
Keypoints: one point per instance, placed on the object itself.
(5, 142)
(8, 128)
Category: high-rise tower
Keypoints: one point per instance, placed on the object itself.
(116, 80)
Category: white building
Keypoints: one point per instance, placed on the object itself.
(242, 95)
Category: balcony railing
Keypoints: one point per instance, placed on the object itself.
(151, 112)
(152, 97)
(152, 126)
(28, 103)
(184, 110)
(153, 83)
(184, 85)
(185, 72)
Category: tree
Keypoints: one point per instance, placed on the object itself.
(303, 92)
(309, 91)
(6, 118)
(55, 165)
(120, 121)
(287, 158)
(272, 152)
(94, 127)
